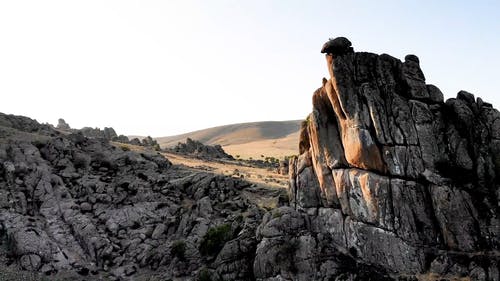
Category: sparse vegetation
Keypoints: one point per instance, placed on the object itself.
(204, 275)
(277, 214)
(253, 172)
(179, 249)
(214, 239)
(125, 148)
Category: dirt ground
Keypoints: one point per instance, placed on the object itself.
(260, 176)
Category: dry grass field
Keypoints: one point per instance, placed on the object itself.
(261, 177)
(271, 139)
(278, 148)
(258, 176)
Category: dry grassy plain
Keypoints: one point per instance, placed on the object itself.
(261, 177)
(278, 148)
(271, 139)
(258, 176)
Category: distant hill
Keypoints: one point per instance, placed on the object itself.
(270, 138)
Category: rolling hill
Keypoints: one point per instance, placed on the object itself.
(269, 138)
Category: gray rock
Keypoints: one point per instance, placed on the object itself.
(85, 207)
(419, 180)
(158, 231)
(62, 125)
(30, 262)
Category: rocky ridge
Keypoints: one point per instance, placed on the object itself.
(392, 183)
(79, 208)
(198, 149)
(108, 134)
(390, 178)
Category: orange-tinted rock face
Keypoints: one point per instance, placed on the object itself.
(404, 178)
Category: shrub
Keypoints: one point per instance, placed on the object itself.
(277, 214)
(125, 148)
(204, 275)
(214, 239)
(178, 249)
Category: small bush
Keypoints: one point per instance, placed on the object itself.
(178, 249)
(214, 239)
(204, 275)
(125, 148)
(277, 214)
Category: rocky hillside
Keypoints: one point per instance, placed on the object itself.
(198, 149)
(236, 133)
(392, 183)
(107, 134)
(390, 179)
(78, 208)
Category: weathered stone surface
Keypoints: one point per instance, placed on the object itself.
(376, 246)
(198, 149)
(74, 204)
(326, 147)
(391, 183)
(418, 192)
(30, 262)
(457, 218)
(62, 125)
(304, 188)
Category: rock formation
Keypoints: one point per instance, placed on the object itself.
(392, 183)
(81, 208)
(390, 179)
(198, 149)
(62, 125)
(106, 133)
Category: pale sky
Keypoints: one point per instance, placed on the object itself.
(167, 67)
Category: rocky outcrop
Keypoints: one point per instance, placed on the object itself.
(198, 149)
(392, 183)
(62, 125)
(390, 178)
(106, 133)
(11, 124)
(80, 206)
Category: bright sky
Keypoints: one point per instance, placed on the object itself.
(167, 67)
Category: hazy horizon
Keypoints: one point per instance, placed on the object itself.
(164, 68)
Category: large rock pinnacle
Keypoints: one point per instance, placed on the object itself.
(392, 176)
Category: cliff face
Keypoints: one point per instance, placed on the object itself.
(389, 177)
